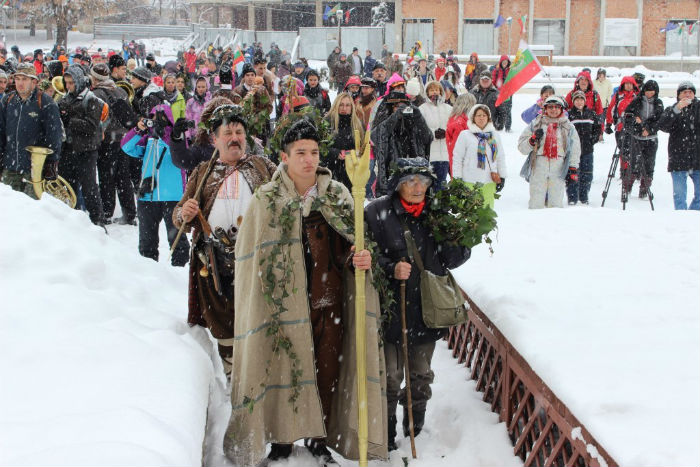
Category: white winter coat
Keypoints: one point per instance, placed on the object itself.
(464, 156)
(436, 116)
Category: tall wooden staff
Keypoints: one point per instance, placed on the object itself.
(358, 173)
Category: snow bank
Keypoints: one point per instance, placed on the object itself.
(603, 304)
(98, 366)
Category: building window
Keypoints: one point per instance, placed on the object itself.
(478, 36)
(549, 32)
(674, 40)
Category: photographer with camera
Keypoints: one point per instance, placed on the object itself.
(398, 131)
(625, 94)
(160, 187)
(682, 120)
(644, 113)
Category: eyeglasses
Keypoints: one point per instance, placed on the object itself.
(415, 180)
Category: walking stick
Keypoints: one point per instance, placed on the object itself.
(407, 373)
(358, 173)
(197, 192)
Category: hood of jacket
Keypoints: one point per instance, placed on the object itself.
(651, 85)
(76, 72)
(504, 57)
(628, 79)
(584, 75)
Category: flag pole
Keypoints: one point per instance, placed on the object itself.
(357, 169)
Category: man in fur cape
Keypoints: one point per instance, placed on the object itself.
(294, 365)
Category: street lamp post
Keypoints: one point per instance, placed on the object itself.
(509, 20)
(339, 17)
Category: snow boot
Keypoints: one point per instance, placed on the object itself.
(392, 433)
(317, 448)
(418, 421)
(644, 185)
(279, 451)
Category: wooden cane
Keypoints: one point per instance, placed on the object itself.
(406, 371)
(197, 193)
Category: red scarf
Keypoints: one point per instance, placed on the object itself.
(414, 209)
(550, 142)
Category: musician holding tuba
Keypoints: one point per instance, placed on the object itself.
(28, 117)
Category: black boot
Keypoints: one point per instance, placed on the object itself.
(317, 448)
(418, 421)
(279, 451)
(392, 433)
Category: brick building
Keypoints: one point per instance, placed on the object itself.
(571, 27)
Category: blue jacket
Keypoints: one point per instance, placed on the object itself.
(531, 113)
(167, 179)
(25, 124)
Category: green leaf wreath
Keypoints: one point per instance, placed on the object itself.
(459, 215)
(325, 133)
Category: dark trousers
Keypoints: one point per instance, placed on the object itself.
(113, 167)
(507, 107)
(441, 169)
(150, 213)
(643, 151)
(328, 348)
(578, 191)
(80, 170)
(419, 358)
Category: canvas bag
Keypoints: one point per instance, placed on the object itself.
(442, 303)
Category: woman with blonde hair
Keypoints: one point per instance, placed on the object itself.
(344, 121)
(479, 156)
(458, 121)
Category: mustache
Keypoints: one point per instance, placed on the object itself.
(234, 143)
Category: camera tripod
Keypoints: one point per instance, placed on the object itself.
(627, 174)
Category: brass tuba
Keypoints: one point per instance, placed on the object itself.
(57, 84)
(125, 85)
(59, 188)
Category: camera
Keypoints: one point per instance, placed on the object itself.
(408, 110)
(150, 123)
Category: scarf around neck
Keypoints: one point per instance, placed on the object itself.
(414, 209)
(550, 141)
(484, 139)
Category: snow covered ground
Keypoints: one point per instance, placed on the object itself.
(99, 367)
(604, 305)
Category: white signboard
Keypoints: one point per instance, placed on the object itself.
(621, 32)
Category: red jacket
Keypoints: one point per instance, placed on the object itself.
(455, 125)
(190, 62)
(619, 102)
(39, 67)
(499, 74)
(439, 72)
(593, 101)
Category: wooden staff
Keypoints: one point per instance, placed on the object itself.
(406, 371)
(197, 193)
(358, 173)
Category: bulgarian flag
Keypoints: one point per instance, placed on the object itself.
(522, 20)
(238, 59)
(523, 70)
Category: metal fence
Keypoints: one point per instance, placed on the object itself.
(225, 36)
(130, 31)
(318, 43)
(539, 424)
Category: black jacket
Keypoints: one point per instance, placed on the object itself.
(122, 117)
(586, 123)
(383, 219)
(343, 139)
(488, 98)
(636, 107)
(396, 135)
(318, 97)
(683, 140)
(81, 113)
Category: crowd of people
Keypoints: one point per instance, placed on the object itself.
(250, 158)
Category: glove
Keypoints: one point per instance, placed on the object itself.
(50, 171)
(500, 185)
(572, 175)
(608, 129)
(536, 136)
(179, 129)
(439, 133)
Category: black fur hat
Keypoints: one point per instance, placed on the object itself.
(409, 166)
(301, 129)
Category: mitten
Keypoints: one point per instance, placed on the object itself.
(536, 136)
(572, 175)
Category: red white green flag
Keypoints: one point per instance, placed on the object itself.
(238, 59)
(523, 70)
(522, 20)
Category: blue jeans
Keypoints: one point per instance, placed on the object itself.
(680, 189)
(441, 169)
